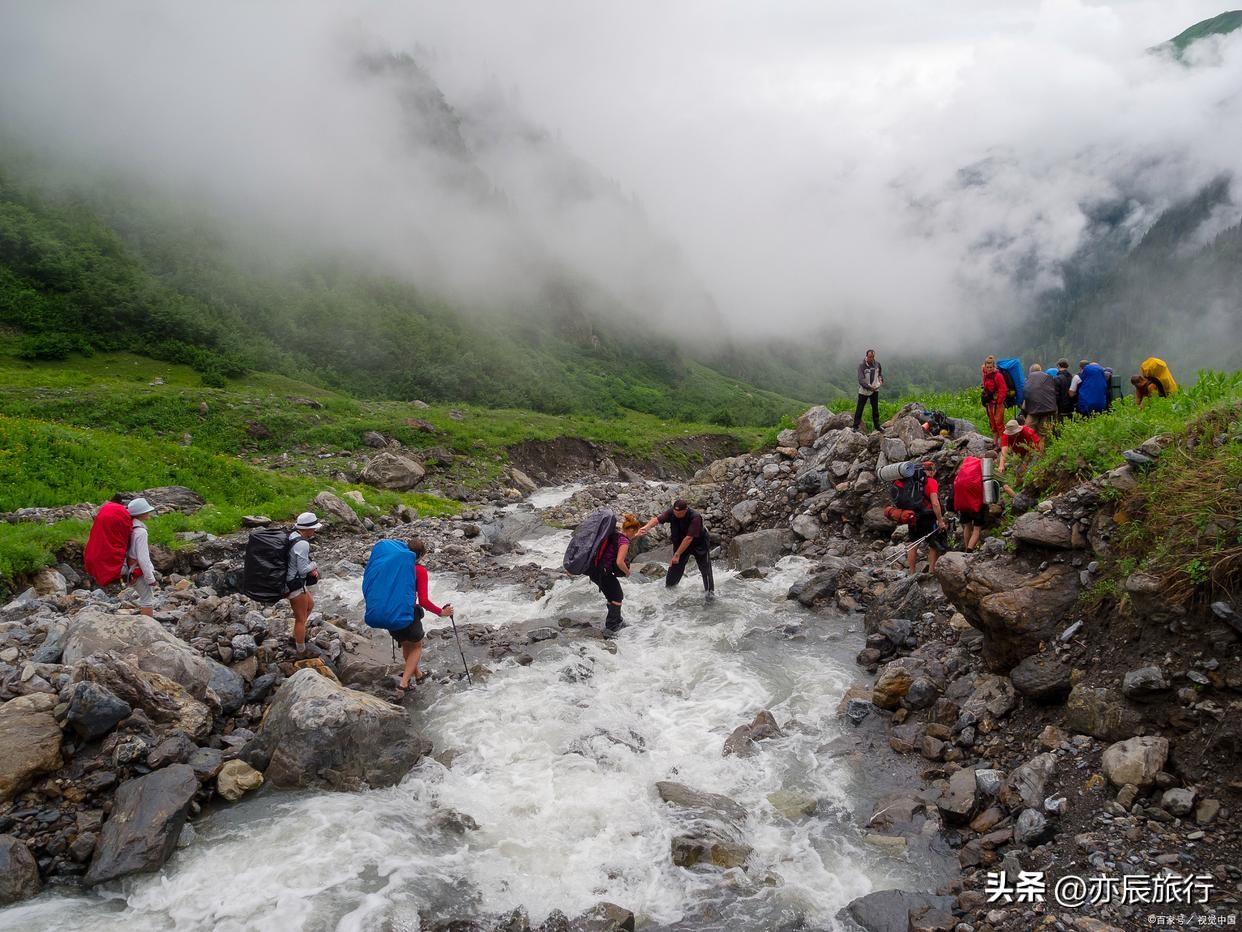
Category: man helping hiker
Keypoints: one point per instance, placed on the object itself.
(394, 589)
(690, 538)
(118, 549)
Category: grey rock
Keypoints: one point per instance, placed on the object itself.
(704, 805)
(206, 763)
(94, 710)
(336, 510)
(1028, 781)
(892, 910)
(806, 527)
(1178, 801)
(745, 512)
(1041, 678)
(319, 733)
(759, 548)
(1031, 827)
(958, 800)
(1144, 683)
(177, 748)
(19, 873)
(142, 829)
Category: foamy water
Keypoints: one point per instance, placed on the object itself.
(556, 762)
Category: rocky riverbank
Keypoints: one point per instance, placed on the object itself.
(1035, 735)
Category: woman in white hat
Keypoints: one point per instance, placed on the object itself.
(138, 556)
(302, 573)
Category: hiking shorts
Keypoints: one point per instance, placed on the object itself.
(926, 524)
(146, 597)
(411, 634)
(979, 517)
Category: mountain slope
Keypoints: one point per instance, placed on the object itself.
(1219, 25)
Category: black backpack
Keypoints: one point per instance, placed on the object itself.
(908, 495)
(266, 564)
(589, 540)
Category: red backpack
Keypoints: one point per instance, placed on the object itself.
(968, 485)
(108, 544)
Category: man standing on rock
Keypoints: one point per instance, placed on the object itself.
(689, 537)
(870, 378)
(302, 574)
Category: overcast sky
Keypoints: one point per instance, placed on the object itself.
(802, 161)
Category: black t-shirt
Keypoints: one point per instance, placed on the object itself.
(689, 525)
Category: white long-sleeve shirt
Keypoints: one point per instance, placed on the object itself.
(139, 553)
(300, 563)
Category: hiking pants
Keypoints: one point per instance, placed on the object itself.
(608, 584)
(875, 409)
(678, 569)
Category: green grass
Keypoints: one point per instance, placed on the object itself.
(112, 391)
(43, 464)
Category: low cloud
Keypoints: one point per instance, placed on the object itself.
(845, 168)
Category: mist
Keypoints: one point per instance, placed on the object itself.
(713, 169)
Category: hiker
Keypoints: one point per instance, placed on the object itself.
(138, 556)
(929, 522)
(1063, 378)
(1039, 401)
(969, 500)
(301, 574)
(611, 563)
(411, 638)
(689, 538)
(1153, 378)
(870, 378)
(1021, 440)
(1090, 388)
(995, 388)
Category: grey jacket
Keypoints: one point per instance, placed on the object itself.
(1040, 394)
(300, 563)
(869, 377)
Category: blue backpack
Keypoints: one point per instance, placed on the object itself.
(388, 586)
(1092, 390)
(1011, 369)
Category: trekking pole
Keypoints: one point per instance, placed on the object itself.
(457, 636)
(902, 555)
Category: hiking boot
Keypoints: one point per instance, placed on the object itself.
(612, 627)
(709, 596)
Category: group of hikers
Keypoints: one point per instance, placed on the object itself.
(278, 563)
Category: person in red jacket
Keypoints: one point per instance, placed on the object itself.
(1020, 440)
(411, 638)
(994, 390)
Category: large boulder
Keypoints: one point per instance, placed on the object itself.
(511, 527)
(1100, 712)
(893, 910)
(163, 701)
(29, 742)
(1041, 530)
(146, 819)
(143, 642)
(1135, 761)
(1015, 604)
(336, 510)
(19, 872)
(745, 512)
(319, 733)
(394, 471)
(759, 548)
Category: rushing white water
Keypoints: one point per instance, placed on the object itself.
(556, 762)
